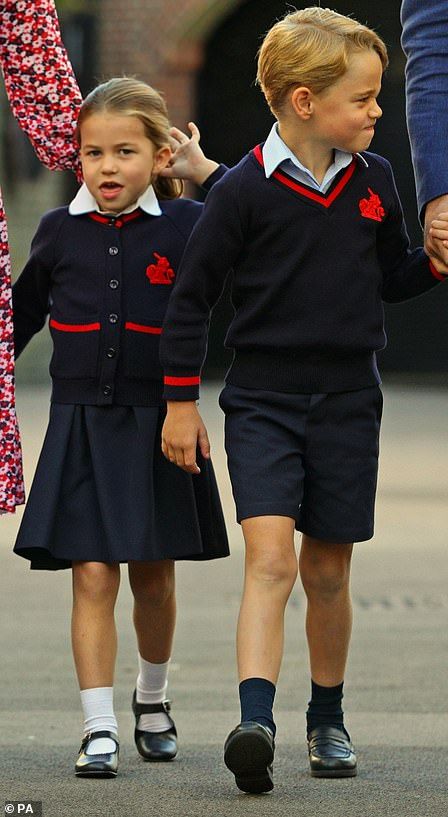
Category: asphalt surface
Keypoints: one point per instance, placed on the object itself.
(396, 699)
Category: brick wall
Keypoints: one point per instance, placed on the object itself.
(160, 42)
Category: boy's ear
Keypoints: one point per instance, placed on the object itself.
(302, 102)
(161, 159)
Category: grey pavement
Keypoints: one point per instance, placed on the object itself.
(396, 689)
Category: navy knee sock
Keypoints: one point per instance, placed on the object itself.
(257, 699)
(325, 707)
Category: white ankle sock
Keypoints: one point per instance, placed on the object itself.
(98, 708)
(152, 683)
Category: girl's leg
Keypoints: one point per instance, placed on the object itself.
(270, 574)
(94, 643)
(325, 574)
(153, 588)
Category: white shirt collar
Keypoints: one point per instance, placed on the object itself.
(84, 202)
(275, 151)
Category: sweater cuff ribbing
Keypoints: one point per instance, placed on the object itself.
(185, 387)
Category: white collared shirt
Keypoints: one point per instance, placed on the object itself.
(84, 202)
(277, 154)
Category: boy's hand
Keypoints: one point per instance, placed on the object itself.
(435, 210)
(183, 431)
(438, 234)
(188, 161)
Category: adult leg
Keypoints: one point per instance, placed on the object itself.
(270, 574)
(325, 574)
(94, 644)
(153, 588)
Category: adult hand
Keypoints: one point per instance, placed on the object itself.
(183, 431)
(188, 160)
(433, 211)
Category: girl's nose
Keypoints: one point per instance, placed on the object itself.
(109, 165)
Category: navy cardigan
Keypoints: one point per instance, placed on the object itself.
(105, 283)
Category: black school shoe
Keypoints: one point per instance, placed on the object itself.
(331, 753)
(249, 754)
(154, 746)
(104, 765)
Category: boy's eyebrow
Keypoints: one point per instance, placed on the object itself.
(368, 92)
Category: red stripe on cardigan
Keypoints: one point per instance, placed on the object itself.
(182, 381)
(139, 327)
(75, 327)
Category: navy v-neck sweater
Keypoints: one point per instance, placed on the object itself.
(309, 274)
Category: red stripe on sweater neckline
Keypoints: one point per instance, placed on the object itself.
(325, 201)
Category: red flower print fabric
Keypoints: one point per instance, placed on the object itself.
(45, 100)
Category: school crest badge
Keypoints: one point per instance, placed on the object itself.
(372, 207)
(161, 272)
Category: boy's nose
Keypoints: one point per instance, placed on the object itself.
(376, 112)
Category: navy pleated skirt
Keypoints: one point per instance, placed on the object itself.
(103, 491)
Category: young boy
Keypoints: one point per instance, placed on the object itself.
(313, 229)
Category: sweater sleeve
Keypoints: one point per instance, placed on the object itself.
(39, 80)
(31, 292)
(211, 251)
(406, 273)
(425, 43)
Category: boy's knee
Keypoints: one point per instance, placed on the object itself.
(274, 568)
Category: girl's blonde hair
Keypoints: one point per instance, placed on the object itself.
(127, 96)
(311, 47)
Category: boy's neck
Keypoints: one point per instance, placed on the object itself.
(315, 157)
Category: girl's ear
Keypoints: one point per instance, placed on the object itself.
(161, 158)
(302, 102)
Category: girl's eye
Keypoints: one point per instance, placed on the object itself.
(93, 153)
(126, 151)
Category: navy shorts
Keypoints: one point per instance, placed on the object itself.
(312, 457)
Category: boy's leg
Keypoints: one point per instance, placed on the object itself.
(325, 574)
(270, 574)
(94, 644)
(153, 588)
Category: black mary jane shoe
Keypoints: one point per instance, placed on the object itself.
(331, 753)
(249, 754)
(154, 746)
(104, 765)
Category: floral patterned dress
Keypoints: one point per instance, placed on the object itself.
(45, 100)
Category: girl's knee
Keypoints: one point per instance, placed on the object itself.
(152, 585)
(97, 581)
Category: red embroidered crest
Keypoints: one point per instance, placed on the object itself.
(161, 272)
(372, 207)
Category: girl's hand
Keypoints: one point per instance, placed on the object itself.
(182, 433)
(188, 160)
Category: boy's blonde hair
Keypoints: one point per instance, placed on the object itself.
(311, 47)
(127, 96)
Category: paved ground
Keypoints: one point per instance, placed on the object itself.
(396, 701)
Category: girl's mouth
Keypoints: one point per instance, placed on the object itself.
(109, 190)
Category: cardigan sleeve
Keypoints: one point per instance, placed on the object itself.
(39, 79)
(31, 292)
(407, 273)
(425, 43)
(211, 251)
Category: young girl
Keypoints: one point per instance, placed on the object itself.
(103, 268)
